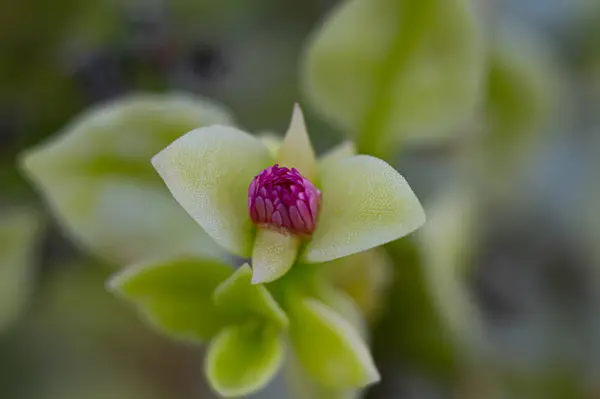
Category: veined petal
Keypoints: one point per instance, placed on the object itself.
(296, 151)
(208, 171)
(366, 203)
(176, 295)
(273, 255)
(243, 359)
(237, 295)
(327, 346)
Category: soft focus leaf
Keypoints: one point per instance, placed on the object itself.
(327, 346)
(366, 203)
(296, 151)
(273, 255)
(365, 276)
(392, 67)
(18, 231)
(208, 172)
(176, 295)
(243, 359)
(97, 178)
(446, 243)
(521, 82)
(237, 295)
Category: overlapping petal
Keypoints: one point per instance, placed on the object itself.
(366, 203)
(208, 172)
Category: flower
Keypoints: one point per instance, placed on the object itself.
(358, 202)
(284, 199)
(249, 325)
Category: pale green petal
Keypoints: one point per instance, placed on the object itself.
(296, 151)
(175, 296)
(273, 255)
(327, 346)
(366, 203)
(208, 171)
(97, 178)
(243, 359)
(19, 230)
(336, 154)
(395, 67)
(237, 295)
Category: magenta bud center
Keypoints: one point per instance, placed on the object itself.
(282, 198)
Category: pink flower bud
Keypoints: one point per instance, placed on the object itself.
(282, 198)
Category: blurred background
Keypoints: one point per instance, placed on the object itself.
(516, 315)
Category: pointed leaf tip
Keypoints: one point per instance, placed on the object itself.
(296, 149)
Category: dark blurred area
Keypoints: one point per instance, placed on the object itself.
(532, 282)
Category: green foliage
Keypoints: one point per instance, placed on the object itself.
(198, 300)
(383, 69)
(97, 178)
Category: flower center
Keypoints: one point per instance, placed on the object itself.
(284, 199)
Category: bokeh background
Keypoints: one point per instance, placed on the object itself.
(518, 317)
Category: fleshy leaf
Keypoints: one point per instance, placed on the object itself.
(366, 203)
(18, 232)
(237, 295)
(327, 346)
(208, 171)
(243, 359)
(296, 151)
(97, 179)
(396, 66)
(344, 150)
(273, 255)
(176, 295)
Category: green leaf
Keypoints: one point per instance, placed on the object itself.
(237, 295)
(328, 347)
(296, 151)
(175, 295)
(366, 203)
(390, 67)
(208, 171)
(273, 255)
(243, 359)
(97, 178)
(18, 232)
